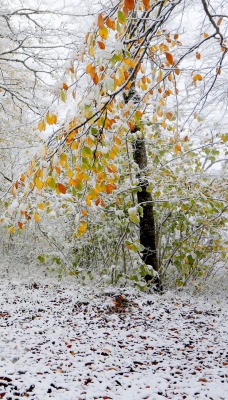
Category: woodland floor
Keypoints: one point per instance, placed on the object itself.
(59, 340)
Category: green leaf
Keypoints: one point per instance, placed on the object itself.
(225, 137)
(63, 96)
(116, 58)
(121, 18)
(41, 259)
(52, 183)
(86, 151)
(94, 131)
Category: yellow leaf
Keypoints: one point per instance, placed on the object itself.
(41, 206)
(88, 199)
(129, 62)
(51, 119)
(225, 137)
(82, 228)
(63, 159)
(36, 217)
(103, 32)
(11, 230)
(42, 126)
(94, 193)
(22, 178)
(74, 145)
(38, 183)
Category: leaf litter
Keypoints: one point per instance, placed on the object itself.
(60, 340)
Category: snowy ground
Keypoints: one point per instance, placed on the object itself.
(62, 341)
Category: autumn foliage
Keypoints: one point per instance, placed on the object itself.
(87, 158)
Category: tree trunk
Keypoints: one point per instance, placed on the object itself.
(147, 221)
(144, 198)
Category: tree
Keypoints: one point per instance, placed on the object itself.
(136, 69)
(35, 44)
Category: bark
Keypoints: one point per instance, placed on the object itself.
(144, 198)
(147, 220)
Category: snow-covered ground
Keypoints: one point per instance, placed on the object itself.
(59, 340)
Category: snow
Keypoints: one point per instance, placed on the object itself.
(60, 340)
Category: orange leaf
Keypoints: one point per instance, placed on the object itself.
(100, 21)
(88, 68)
(169, 115)
(131, 126)
(95, 79)
(58, 170)
(129, 4)
(20, 225)
(111, 23)
(146, 4)
(198, 55)
(103, 203)
(92, 72)
(84, 212)
(101, 45)
(22, 178)
(219, 21)
(61, 188)
(169, 58)
(109, 188)
(65, 86)
(197, 77)
(177, 148)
